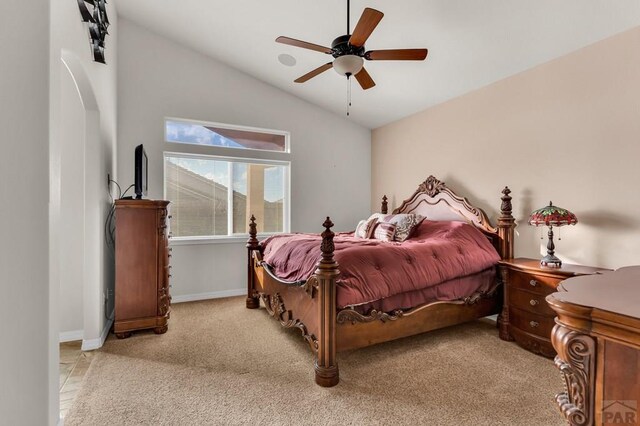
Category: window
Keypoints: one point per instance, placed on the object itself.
(195, 133)
(214, 191)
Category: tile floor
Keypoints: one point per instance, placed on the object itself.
(73, 366)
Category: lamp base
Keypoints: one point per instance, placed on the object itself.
(551, 261)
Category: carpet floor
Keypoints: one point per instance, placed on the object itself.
(220, 363)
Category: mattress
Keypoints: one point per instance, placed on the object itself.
(372, 270)
(451, 290)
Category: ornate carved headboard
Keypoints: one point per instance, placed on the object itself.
(434, 200)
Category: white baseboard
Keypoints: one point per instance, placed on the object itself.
(71, 336)
(92, 344)
(211, 295)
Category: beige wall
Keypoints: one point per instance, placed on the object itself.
(566, 131)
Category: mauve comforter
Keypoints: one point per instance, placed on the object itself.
(371, 270)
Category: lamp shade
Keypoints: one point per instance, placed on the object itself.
(348, 64)
(552, 216)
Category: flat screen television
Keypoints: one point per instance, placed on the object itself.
(141, 172)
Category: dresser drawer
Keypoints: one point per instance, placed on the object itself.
(539, 325)
(540, 284)
(530, 301)
(534, 343)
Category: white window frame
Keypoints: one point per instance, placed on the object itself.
(231, 155)
(287, 135)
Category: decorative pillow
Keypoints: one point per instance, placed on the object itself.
(405, 223)
(384, 231)
(365, 227)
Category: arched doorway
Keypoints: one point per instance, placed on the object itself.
(78, 190)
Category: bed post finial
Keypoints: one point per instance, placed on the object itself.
(253, 302)
(326, 365)
(253, 233)
(327, 245)
(506, 225)
(384, 209)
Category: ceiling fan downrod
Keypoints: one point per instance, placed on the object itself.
(348, 17)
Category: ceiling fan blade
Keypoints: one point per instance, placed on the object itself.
(365, 80)
(308, 76)
(368, 22)
(397, 55)
(303, 44)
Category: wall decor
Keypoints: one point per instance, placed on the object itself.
(96, 16)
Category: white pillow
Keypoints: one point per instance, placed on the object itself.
(365, 228)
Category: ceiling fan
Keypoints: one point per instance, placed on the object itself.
(349, 51)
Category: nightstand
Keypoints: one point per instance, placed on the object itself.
(526, 317)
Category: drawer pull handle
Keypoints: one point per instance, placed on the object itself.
(534, 302)
(533, 283)
(534, 324)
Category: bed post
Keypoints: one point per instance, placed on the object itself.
(326, 365)
(506, 225)
(253, 302)
(384, 208)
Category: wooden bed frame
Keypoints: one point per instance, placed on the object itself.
(310, 306)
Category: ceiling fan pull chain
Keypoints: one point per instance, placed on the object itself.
(348, 94)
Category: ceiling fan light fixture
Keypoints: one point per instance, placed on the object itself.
(348, 65)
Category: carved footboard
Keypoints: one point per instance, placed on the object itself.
(309, 306)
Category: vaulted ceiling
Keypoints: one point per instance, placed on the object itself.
(471, 43)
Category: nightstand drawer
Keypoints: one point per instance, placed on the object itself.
(530, 302)
(539, 284)
(539, 325)
(526, 317)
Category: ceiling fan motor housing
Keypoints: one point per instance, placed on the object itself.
(340, 47)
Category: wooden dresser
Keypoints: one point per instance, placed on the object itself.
(142, 267)
(597, 337)
(526, 317)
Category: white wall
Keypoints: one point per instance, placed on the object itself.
(25, 369)
(330, 155)
(71, 208)
(96, 85)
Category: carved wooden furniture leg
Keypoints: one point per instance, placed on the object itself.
(503, 317)
(506, 226)
(253, 300)
(326, 365)
(576, 360)
(161, 330)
